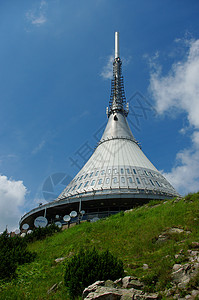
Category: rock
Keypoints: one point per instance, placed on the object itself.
(60, 259)
(162, 238)
(118, 282)
(136, 284)
(188, 297)
(54, 287)
(125, 281)
(175, 230)
(132, 282)
(104, 293)
(145, 267)
(92, 288)
(110, 283)
(151, 296)
(176, 267)
(182, 274)
(195, 293)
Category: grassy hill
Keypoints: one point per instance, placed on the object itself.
(132, 236)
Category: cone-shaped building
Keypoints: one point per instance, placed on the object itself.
(118, 175)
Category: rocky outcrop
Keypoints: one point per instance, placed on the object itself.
(183, 273)
(169, 232)
(122, 289)
(132, 288)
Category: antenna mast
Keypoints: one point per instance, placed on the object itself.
(117, 101)
(117, 52)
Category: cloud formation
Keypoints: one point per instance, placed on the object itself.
(37, 16)
(12, 197)
(39, 147)
(107, 71)
(179, 91)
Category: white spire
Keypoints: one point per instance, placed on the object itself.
(117, 52)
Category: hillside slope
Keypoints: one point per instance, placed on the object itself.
(147, 239)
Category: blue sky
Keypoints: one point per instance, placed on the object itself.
(55, 64)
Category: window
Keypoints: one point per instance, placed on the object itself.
(85, 176)
(74, 187)
(130, 180)
(151, 181)
(109, 171)
(122, 171)
(146, 173)
(122, 179)
(79, 185)
(151, 174)
(76, 179)
(86, 183)
(138, 180)
(81, 177)
(96, 173)
(93, 182)
(134, 171)
(144, 181)
(158, 183)
(107, 180)
(115, 179)
(91, 174)
(69, 189)
(100, 181)
(102, 172)
(128, 171)
(115, 171)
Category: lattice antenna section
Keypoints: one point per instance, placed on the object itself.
(117, 101)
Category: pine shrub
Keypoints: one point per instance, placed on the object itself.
(88, 266)
(13, 251)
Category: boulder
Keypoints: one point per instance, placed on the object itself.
(132, 282)
(109, 290)
(92, 288)
(104, 293)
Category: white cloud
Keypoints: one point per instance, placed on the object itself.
(107, 71)
(179, 91)
(37, 16)
(12, 197)
(39, 147)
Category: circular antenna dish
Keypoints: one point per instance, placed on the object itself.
(40, 222)
(25, 226)
(57, 217)
(29, 231)
(23, 234)
(17, 231)
(95, 219)
(82, 212)
(73, 214)
(66, 218)
(59, 224)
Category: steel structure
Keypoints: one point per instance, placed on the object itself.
(117, 176)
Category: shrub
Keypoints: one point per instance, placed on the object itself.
(88, 266)
(41, 233)
(13, 251)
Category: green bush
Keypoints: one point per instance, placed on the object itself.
(13, 251)
(88, 266)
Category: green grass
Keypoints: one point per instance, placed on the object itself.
(130, 236)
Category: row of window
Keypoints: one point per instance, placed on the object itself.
(115, 180)
(115, 171)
